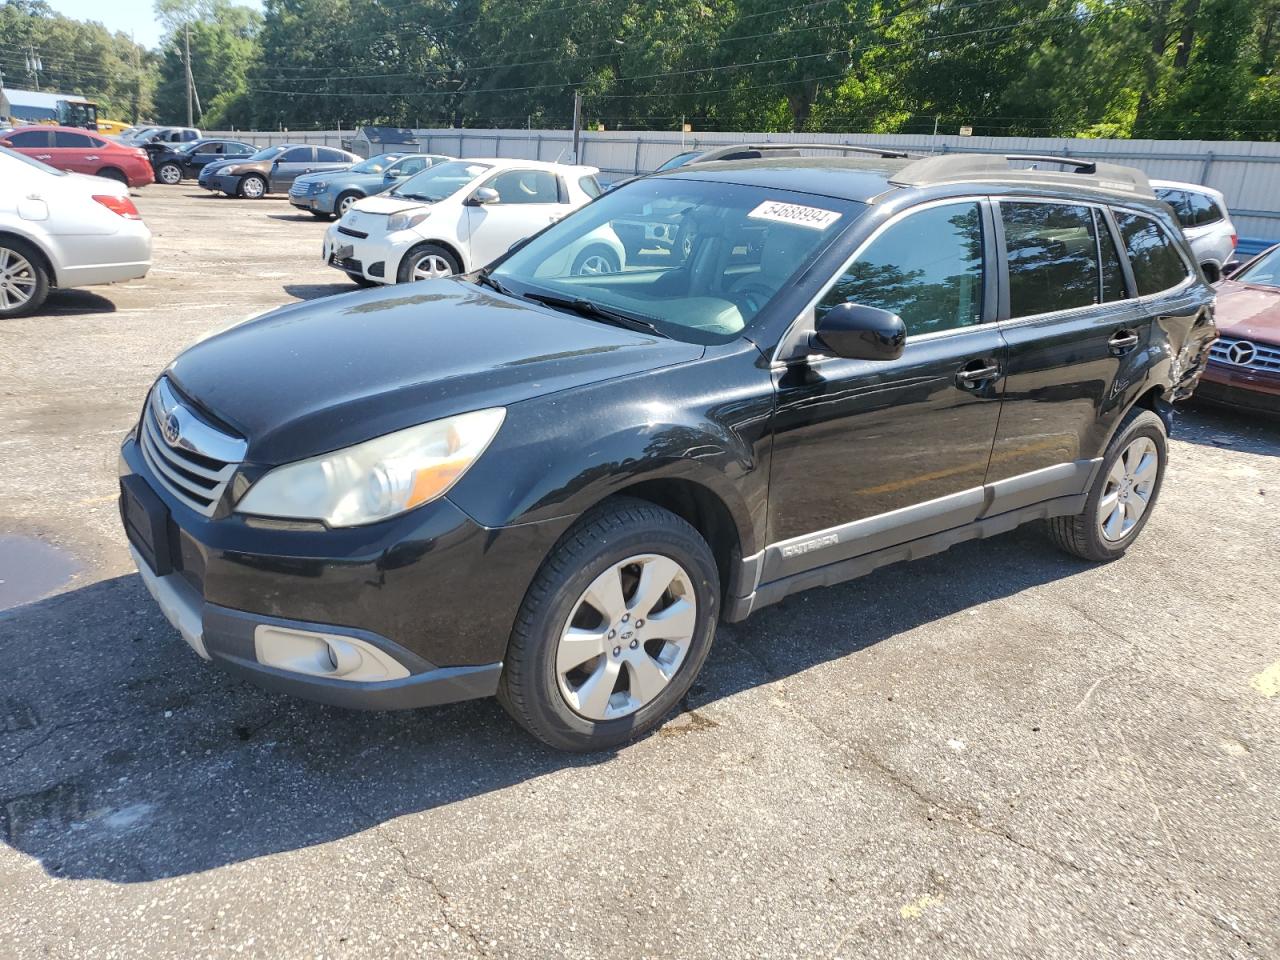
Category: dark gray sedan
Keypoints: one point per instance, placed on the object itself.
(273, 170)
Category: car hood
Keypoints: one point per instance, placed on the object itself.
(313, 377)
(342, 178)
(1248, 311)
(384, 205)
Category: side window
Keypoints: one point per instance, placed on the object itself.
(297, 155)
(240, 148)
(406, 168)
(62, 138)
(1113, 285)
(1053, 257)
(1156, 262)
(1203, 210)
(1180, 202)
(590, 186)
(330, 155)
(211, 148)
(31, 138)
(526, 186)
(927, 268)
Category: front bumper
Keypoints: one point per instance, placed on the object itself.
(1240, 387)
(376, 259)
(431, 592)
(228, 184)
(313, 202)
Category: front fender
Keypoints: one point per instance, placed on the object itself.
(705, 422)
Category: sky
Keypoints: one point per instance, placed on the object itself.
(130, 16)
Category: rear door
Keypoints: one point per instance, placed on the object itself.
(291, 164)
(37, 144)
(1077, 336)
(527, 201)
(327, 158)
(72, 151)
(871, 454)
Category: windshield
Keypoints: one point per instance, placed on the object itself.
(267, 153)
(1265, 271)
(697, 259)
(376, 164)
(440, 181)
(43, 168)
(679, 160)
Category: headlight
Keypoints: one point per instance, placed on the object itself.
(403, 221)
(378, 478)
(231, 169)
(320, 185)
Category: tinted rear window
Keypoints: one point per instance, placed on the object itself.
(1053, 257)
(1156, 262)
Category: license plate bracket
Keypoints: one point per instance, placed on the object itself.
(146, 523)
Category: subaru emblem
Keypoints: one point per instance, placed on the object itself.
(172, 429)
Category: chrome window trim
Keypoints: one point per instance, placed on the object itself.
(1189, 269)
(806, 315)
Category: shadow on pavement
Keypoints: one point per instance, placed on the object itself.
(125, 758)
(1215, 425)
(73, 302)
(313, 291)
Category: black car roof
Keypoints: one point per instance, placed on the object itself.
(865, 179)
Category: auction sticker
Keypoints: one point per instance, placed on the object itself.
(794, 213)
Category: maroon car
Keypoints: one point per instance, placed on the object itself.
(1244, 364)
(80, 151)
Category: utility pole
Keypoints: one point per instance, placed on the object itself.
(577, 123)
(186, 47)
(34, 65)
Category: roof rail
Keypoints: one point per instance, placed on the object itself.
(960, 167)
(729, 151)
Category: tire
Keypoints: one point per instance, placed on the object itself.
(360, 280)
(111, 173)
(1212, 272)
(427, 253)
(625, 690)
(344, 202)
(1104, 531)
(169, 173)
(595, 260)
(320, 214)
(252, 187)
(24, 281)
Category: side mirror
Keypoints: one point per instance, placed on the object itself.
(482, 196)
(6, 143)
(857, 332)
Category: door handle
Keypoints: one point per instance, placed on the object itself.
(971, 376)
(44, 156)
(95, 157)
(1122, 341)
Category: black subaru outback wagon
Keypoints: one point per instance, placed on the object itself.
(550, 483)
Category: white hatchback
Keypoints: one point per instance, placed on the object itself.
(461, 215)
(61, 229)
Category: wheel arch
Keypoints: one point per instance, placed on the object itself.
(447, 245)
(109, 168)
(46, 261)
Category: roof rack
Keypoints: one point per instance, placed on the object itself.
(953, 167)
(747, 151)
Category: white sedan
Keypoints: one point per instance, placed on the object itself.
(461, 215)
(61, 229)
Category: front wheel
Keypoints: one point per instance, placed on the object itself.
(345, 203)
(24, 284)
(1123, 493)
(253, 187)
(427, 261)
(169, 173)
(614, 629)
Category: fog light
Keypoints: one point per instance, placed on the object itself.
(324, 655)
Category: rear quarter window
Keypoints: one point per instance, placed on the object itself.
(1157, 264)
(590, 186)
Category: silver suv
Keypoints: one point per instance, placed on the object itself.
(1202, 212)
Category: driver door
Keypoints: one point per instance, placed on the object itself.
(528, 200)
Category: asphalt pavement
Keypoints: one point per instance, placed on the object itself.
(996, 752)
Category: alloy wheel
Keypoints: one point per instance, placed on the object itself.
(253, 188)
(431, 267)
(594, 265)
(626, 637)
(345, 204)
(17, 280)
(1128, 491)
(170, 174)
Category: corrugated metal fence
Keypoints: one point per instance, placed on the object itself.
(1248, 173)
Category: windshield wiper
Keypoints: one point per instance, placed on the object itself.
(586, 308)
(415, 196)
(483, 278)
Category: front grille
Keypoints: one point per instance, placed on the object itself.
(348, 232)
(197, 466)
(1246, 354)
(299, 189)
(348, 264)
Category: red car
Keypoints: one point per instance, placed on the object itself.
(1244, 363)
(80, 151)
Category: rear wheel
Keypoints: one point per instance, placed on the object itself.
(169, 173)
(427, 261)
(594, 261)
(1123, 493)
(253, 187)
(111, 173)
(614, 628)
(24, 283)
